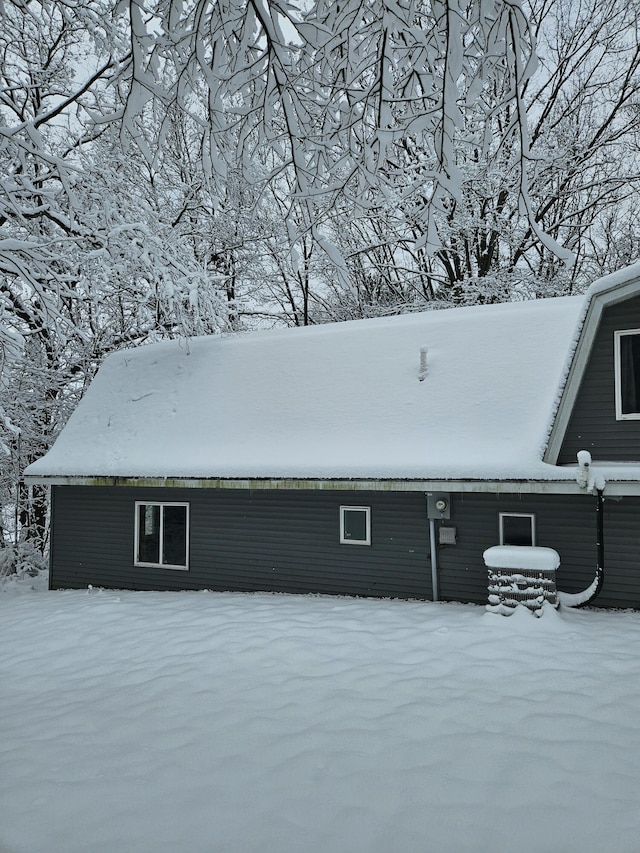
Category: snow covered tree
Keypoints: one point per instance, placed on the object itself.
(171, 168)
(88, 260)
(331, 90)
(582, 162)
(428, 154)
(501, 236)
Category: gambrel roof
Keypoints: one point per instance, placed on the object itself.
(607, 291)
(342, 401)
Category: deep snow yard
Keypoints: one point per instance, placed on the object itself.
(206, 722)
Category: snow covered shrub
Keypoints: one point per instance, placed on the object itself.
(21, 559)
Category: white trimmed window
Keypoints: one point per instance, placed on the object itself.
(627, 370)
(162, 535)
(355, 525)
(517, 528)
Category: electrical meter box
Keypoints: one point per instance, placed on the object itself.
(438, 505)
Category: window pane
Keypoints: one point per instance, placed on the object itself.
(517, 530)
(630, 373)
(355, 524)
(174, 539)
(149, 533)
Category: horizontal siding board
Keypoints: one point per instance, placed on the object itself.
(563, 522)
(288, 542)
(622, 571)
(593, 425)
(247, 541)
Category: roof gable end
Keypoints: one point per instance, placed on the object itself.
(603, 293)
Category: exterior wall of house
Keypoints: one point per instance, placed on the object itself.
(288, 541)
(622, 553)
(566, 523)
(593, 424)
(283, 541)
(563, 522)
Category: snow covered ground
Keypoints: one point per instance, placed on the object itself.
(205, 722)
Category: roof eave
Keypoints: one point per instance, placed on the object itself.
(495, 486)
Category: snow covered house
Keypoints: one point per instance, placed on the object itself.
(376, 457)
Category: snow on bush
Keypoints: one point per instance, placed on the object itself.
(20, 560)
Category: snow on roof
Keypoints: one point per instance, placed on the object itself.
(613, 281)
(342, 400)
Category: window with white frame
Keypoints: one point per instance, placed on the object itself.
(162, 534)
(517, 528)
(627, 374)
(355, 525)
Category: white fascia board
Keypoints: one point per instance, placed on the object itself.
(599, 301)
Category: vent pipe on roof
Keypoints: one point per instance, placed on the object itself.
(423, 363)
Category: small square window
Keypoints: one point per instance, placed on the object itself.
(355, 525)
(517, 528)
(162, 535)
(627, 374)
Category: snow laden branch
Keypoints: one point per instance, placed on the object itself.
(88, 258)
(342, 94)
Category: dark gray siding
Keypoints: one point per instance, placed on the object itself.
(283, 541)
(566, 523)
(622, 553)
(563, 522)
(288, 542)
(593, 424)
